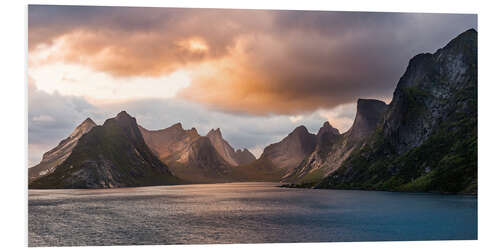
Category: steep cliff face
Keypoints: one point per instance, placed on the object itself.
(52, 158)
(224, 149)
(289, 152)
(368, 115)
(428, 138)
(111, 155)
(333, 148)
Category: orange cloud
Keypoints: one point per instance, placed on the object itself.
(245, 61)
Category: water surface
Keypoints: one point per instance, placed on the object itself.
(243, 213)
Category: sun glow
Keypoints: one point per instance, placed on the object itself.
(194, 45)
(99, 87)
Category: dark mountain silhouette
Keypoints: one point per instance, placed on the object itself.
(428, 138)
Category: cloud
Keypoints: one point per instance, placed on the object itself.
(256, 74)
(245, 61)
(51, 118)
(78, 80)
(240, 130)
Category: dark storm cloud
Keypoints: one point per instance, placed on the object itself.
(255, 61)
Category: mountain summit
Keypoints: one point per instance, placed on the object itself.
(290, 151)
(332, 148)
(369, 113)
(195, 158)
(111, 155)
(428, 138)
(61, 152)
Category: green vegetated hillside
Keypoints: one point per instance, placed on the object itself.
(428, 138)
(111, 155)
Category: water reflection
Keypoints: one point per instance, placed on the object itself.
(243, 213)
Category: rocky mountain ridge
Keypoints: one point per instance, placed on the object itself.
(107, 156)
(61, 152)
(424, 140)
(196, 158)
(427, 140)
(332, 148)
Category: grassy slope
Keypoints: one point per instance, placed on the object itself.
(446, 162)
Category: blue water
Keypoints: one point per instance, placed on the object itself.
(243, 213)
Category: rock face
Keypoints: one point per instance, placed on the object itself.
(168, 141)
(428, 138)
(111, 155)
(332, 148)
(289, 152)
(227, 152)
(244, 156)
(195, 158)
(368, 115)
(52, 158)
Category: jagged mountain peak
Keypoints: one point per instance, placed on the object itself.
(83, 128)
(194, 131)
(327, 128)
(112, 155)
(177, 126)
(244, 156)
(123, 118)
(214, 132)
(287, 153)
(300, 130)
(88, 121)
(430, 123)
(123, 114)
(466, 38)
(52, 158)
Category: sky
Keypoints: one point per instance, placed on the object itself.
(255, 74)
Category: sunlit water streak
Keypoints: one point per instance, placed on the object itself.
(243, 213)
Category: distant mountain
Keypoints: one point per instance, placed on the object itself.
(244, 156)
(290, 151)
(61, 152)
(195, 158)
(168, 141)
(111, 155)
(333, 148)
(227, 152)
(427, 140)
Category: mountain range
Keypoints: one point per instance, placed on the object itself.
(424, 140)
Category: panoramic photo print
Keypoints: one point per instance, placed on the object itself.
(158, 126)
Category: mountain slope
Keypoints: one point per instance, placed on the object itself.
(195, 158)
(333, 148)
(168, 141)
(61, 152)
(428, 139)
(244, 156)
(226, 151)
(111, 155)
(289, 152)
